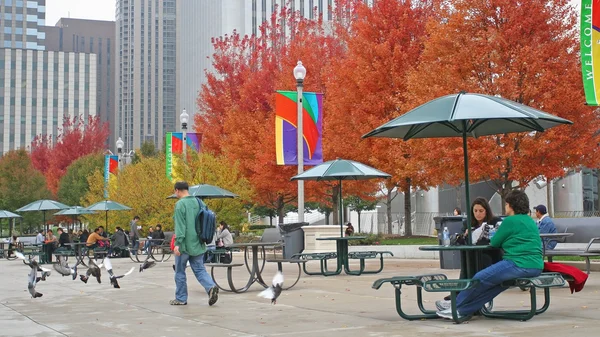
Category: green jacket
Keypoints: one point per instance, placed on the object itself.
(186, 237)
(520, 238)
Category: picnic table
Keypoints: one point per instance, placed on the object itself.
(77, 250)
(254, 270)
(471, 253)
(159, 250)
(6, 248)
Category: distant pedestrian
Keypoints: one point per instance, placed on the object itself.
(188, 247)
(349, 229)
(134, 234)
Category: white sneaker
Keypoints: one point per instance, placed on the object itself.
(443, 305)
(447, 314)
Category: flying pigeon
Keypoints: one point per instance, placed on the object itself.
(273, 292)
(62, 267)
(113, 278)
(33, 279)
(93, 269)
(146, 265)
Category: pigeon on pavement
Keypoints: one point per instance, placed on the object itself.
(273, 292)
(113, 278)
(93, 269)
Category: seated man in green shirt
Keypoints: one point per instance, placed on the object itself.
(519, 237)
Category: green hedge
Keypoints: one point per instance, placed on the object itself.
(256, 227)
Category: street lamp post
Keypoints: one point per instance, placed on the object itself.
(300, 74)
(120, 145)
(184, 120)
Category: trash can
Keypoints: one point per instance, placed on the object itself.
(293, 238)
(449, 259)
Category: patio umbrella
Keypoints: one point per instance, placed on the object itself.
(43, 205)
(107, 205)
(341, 169)
(206, 191)
(7, 215)
(75, 211)
(466, 115)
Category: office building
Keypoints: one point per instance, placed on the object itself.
(146, 72)
(20, 22)
(97, 37)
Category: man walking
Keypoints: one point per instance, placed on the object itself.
(545, 224)
(134, 234)
(188, 247)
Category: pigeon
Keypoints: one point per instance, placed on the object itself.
(146, 265)
(113, 278)
(93, 269)
(273, 292)
(33, 279)
(62, 267)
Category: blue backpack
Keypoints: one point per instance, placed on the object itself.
(206, 223)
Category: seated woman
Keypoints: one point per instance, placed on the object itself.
(519, 238)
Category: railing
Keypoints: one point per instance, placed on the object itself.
(577, 214)
(308, 217)
(422, 223)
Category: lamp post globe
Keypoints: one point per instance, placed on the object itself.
(120, 145)
(299, 72)
(184, 119)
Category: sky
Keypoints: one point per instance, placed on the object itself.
(79, 9)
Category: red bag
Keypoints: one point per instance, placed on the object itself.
(173, 242)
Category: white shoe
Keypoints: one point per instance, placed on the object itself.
(447, 314)
(442, 305)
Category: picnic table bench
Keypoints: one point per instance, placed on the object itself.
(362, 256)
(321, 257)
(441, 283)
(584, 231)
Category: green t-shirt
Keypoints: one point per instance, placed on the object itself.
(186, 236)
(520, 238)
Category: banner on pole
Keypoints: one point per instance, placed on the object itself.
(111, 165)
(590, 50)
(193, 140)
(286, 119)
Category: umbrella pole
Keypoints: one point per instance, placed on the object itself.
(466, 160)
(341, 212)
(106, 221)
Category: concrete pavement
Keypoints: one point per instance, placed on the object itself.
(317, 306)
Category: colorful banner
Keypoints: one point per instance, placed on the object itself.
(286, 118)
(176, 142)
(111, 165)
(590, 50)
(169, 154)
(194, 140)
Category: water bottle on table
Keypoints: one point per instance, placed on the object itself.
(446, 237)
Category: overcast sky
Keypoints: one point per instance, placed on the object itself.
(97, 9)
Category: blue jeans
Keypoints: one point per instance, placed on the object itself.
(471, 300)
(209, 254)
(197, 265)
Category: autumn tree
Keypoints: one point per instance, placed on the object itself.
(359, 205)
(77, 137)
(525, 51)
(21, 184)
(368, 88)
(74, 184)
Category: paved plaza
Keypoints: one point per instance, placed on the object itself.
(317, 306)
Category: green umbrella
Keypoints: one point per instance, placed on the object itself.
(206, 191)
(467, 115)
(107, 205)
(7, 215)
(341, 169)
(75, 211)
(43, 205)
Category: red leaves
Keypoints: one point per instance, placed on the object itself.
(77, 138)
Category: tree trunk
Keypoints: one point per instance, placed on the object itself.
(271, 221)
(327, 218)
(335, 205)
(358, 220)
(280, 205)
(407, 210)
(459, 198)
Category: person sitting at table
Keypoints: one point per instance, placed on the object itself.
(92, 240)
(224, 238)
(84, 236)
(13, 245)
(457, 211)
(39, 239)
(519, 238)
(63, 238)
(50, 245)
(349, 229)
(545, 225)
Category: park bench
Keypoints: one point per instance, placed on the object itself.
(440, 283)
(362, 256)
(321, 257)
(584, 232)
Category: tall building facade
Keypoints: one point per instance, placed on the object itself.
(20, 22)
(146, 73)
(91, 36)
(38, 89)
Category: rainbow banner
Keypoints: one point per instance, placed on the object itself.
(193, 140)
(111, 165)
(286, 118)
(590, 50)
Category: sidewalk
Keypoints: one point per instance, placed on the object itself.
(317, 306)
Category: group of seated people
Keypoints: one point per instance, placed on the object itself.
(519, 254)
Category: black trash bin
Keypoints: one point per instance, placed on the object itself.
(293, 238)
(449, 259)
